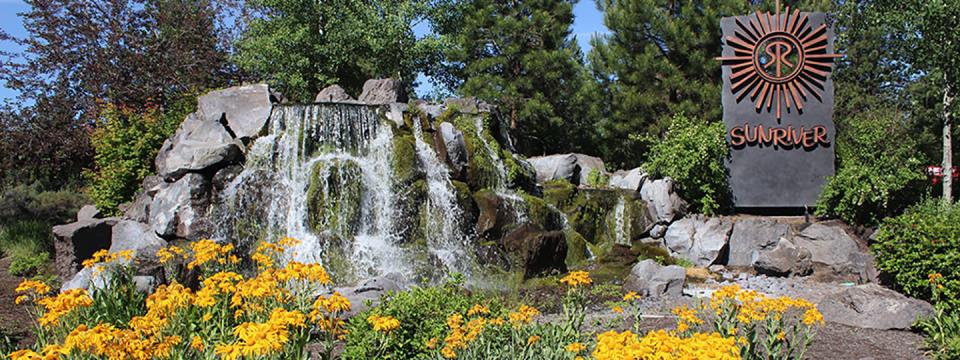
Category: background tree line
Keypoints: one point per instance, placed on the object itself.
(103, 82)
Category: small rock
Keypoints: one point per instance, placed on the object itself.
(76, 242)
(382, 92)
(628, 179)
(871, 306)
(333, 93)
(648, 278)
(662, 200)
(783, 259)
(88, 212)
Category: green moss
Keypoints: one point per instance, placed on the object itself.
(559, 193)
(405, 163)
(655, 253)
(577, 253)
(334, 196)
(465, 201)
(539, 213)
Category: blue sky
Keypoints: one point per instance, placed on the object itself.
(588, 21)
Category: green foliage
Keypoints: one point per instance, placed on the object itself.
(28, 243)
(422, 313)
(120, 302)
(597, 178)
(924, 240)
(538, 80)
(301, 46)
(876, 177)
(943, 329)
(27, 202)
(127, 142)
(692, 153)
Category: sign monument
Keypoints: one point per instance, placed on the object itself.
(778, 107)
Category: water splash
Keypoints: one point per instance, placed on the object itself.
(499, 185)
(621, 229)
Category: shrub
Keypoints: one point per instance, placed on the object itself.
(422, 313)
(692, 153)
(28, 243)
(126, 142)
(879, 169)
(597, 179)
(922, 241)
(943, 329)
(27, 260)
(27, 202)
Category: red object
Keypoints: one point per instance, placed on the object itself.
(936, 173)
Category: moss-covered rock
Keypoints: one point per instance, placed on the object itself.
(411, 207)
(465, 201)
(334, 197)
(560, 193)
(577, 251)
(406, 168)
(542, 214)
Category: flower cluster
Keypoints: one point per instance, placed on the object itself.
(104, 256)
(661, 344)
(576, 279)
(383, 323)
(207, 251)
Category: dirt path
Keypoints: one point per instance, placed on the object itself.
(14, 319)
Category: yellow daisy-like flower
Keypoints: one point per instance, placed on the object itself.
(631, 296)
(577, 278)
(532, 340)
(576, 347)
(384, 324)
(617, 309)
(196, 343)
(478, 310)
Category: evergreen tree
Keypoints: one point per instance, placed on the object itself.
(658, 60)
(301, 46)
(520, 55)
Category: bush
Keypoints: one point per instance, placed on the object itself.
(692, 153)
(879, 169)
(924, 240)
(422, 313)
(28, 243)
(27, 259)
(27, 202)
(943, 329)
(126, 142)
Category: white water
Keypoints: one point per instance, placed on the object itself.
(499, 185)
(621, 228)
(445, 237)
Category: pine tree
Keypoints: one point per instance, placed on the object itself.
(520, 55)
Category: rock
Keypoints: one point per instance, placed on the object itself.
(697, 274)
(834, 249)
(382, 91)
(648, 278)
(658, 231)
(433, 111)
(76, 242)
(80, 280)
(138, 237)
(178, 209)
(871, 306)
(495, 215)
(455, 154)
(225, 176)
(556, 167)
(333, 93)
(536, 251)
(663, 201)
(783, 259)
(88, 212)
(152, 184)
(139, 209)
(628, 179)
(87, 280)
(716, 269)
(698, 239)
(394, 112)
(466, 105)
(589, 164)
(145, 284)
(246, 108)
(371, 290)
(198, 145)
(752, 235)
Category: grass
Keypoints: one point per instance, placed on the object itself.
(28, 243)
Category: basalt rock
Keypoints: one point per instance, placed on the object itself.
(632, 179)
(751, 236)
(536, 251)
(76, 242)
(454, 153)
(698, 239)
(197, 146)
(648, 278)
(246, 108)
(179, 210)
(663, 200)
(333, 93)
(834, 250)
(382, 91)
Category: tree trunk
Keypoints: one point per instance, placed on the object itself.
(948, 98)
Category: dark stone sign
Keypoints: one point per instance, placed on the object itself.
(778, 107)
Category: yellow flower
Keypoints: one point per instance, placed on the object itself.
(432, 343)
(384, 324)
(935, 277)
(617, 309)
(478, 309)
(196, 343)
(448, 353)
(577, 278)
(631, 296)
(205, 251)
(32, 286)
(781, 336)
(575, 347)
(812, 317)
(24, 355)
(532, 340)
(60, 305)
(336, 303)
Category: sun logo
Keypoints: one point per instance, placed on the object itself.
(778, 60)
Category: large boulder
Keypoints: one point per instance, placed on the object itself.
(628, 179)
(752, 235)
(871, 306)
(589, 164)
(648, 278)
(455, 149)
(382, 92)
(783, 259)
(834, 250)
(556, 167)
(142, 241)
(88, 212)
(662, 199)
(246, 108)
(178, 210)
(536, 251)
(76, 242)
(370, 291)
(333, 93)
(198, 145)
(698, 239)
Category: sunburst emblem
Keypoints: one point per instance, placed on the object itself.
(778, 60)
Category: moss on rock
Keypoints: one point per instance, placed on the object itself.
(405, 164)
(334, 197)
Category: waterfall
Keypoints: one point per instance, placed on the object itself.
(621, 230)
(339, 145)
(444, 233)
(499, 185)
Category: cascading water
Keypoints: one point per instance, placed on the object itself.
(621, 230)
(499, 185)
(444, 233)
(345, 152)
